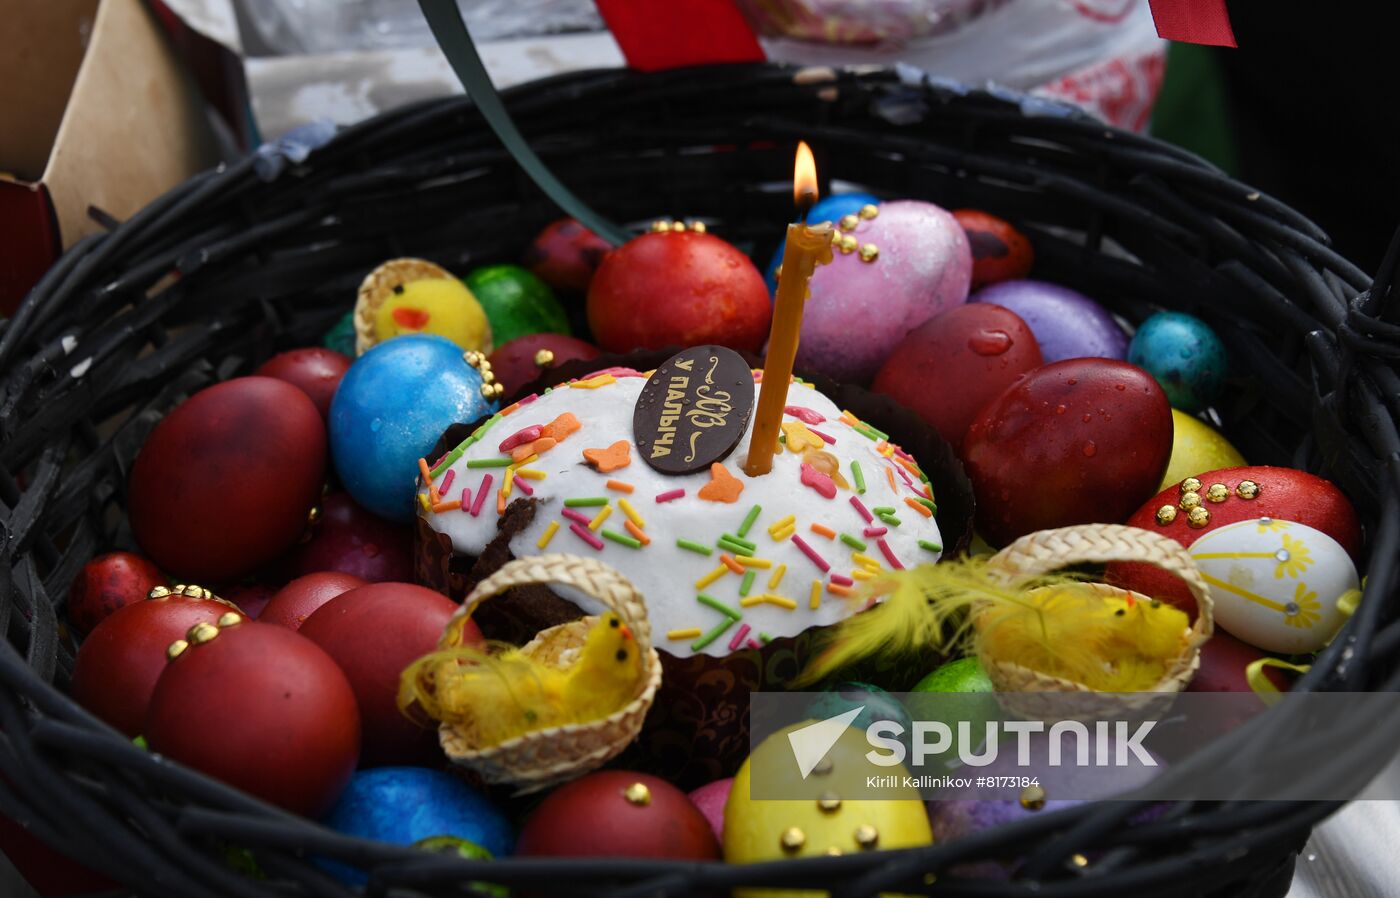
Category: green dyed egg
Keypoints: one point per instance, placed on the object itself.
(516, 303)
(963, 675)
(876, 704)
(341, 336)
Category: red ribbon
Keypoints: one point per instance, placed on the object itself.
(1194, 22)
(676, 33)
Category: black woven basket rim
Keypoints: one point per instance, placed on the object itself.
(1350, 335)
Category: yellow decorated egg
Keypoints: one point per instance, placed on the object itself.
(1197, 447)
(825, 823)
(411, 296)
(1277, 585)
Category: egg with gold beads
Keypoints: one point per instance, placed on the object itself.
(412, 296)
(828, 821)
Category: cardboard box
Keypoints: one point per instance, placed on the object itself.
(96, 112)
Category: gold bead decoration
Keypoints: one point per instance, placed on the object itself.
(230, 619)
(176, 649)
(1166, 514)
(660, 226)
(473, 358)
(792, 840)
(849, 222)
(1197, 518)
(698, 227)
(544, 358)
(1217, 492)
(637, 794)
(1247, 489)
(1032, 798)
(828, 803)
(1190, 501)
(1079, 860)
(847, 244)
(1190, 485)
(833, 851)
(869, 211)
(201, 633)
(824, 767)
(159, 592)
(869, 252)
(867, 836)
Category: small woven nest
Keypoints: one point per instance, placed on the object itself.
(1046, 551)
(547, 757)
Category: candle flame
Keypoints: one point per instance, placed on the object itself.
(804, 177)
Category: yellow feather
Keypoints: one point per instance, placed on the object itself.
(1056, 625)
(498, 693)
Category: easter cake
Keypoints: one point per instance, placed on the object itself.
(737, 571)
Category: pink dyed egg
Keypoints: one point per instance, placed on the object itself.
(859, 310)
(711, 799)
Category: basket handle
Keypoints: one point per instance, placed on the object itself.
(588, 575)
(1050, 550)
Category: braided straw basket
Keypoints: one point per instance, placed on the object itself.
(1046, 551)
(546, 757)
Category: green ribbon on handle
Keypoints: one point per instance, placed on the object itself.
(447, 26)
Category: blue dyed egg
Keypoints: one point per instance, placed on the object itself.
(876, 704)
(405, 805)
(1184, 355)
(391, 407)
(830, 209)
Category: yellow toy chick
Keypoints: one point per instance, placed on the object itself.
(1056, 625)
(499, 693)
(413, 296)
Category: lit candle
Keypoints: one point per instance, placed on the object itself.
(807, 247)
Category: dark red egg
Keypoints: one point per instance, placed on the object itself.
(298, 600)
(373, 633)
(348, 538)
(1079, 441)
(618, 813)
(999, 251)
(1281, 493)
(1224, 660)
(521, 360)
(119, 663)
(262, 709)
(50, 873)
(678, 289)
(981, 348)
(225, 482)
(314, 370)
(251, 598)
(107, 583)
(565, 254)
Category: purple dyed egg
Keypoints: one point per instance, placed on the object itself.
(711, 799)
(1066, 323)
(957, 816)
(865, 301)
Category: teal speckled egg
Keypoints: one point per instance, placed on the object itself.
(516, 302)
(1184, 355)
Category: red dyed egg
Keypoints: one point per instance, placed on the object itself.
(314, 370)
(298, 600)
(678, 289)
(1223, 662)
(349, 539)
(999, 251)
(121, 660)
(373, 633)
(1281, 493)
(618, 813)
(225, 482)
(1079, 441)
(107, 583)
(952, 365)
(565, 255)
(518, 362)
(262, 709)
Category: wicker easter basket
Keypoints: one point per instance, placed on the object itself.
(1047, 551)
(266, 254)
(546, 757)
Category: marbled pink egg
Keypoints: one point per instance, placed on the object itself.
(860, 310)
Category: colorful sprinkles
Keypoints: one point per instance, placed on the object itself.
(549, 532)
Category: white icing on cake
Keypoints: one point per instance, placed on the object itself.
(662, 571)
